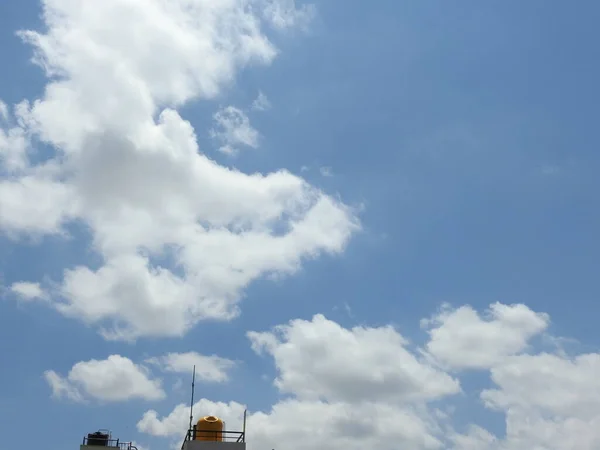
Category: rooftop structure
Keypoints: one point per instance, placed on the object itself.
(209, 433)
(103, 438)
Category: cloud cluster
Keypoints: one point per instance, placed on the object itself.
(375, 363)
(368, 388)
(118, 378)
(127, 166)
(106, 148)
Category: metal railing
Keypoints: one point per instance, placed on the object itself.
(98, 441)
(226, 436)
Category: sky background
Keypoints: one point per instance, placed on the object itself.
(466, 134)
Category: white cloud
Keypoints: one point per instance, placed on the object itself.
(61, 387)
(233, 129)
(3, 111)
(314, 425)
(550, 402)
(526, 380)
(177, 422)
(114, 379)
(208, 368)
(284, 14)
(461, 339)
(36, 203)
(321, 360)
(26, 290)
(128, 166)
(13, 144)
(326, 171)
(351, 388)
(363, 377)
(261, 103)
(476, 438)
(308, 425)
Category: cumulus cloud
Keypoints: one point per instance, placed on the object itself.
(176, 423)
(462, 339)
(350, 388)
(62, 387)
(233, 129)
(308, 425)
(114, 379)
(26, 290)
(127, 166)
(319, 359)
(35, 204)
(525, 380)
(476, 438)
(549, 401)
(366, 388)
(211, 368)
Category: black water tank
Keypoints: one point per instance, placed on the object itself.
(97, 439)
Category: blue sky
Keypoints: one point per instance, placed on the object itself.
(464, 132)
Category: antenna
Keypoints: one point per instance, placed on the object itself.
(192, 401)
(244, 430)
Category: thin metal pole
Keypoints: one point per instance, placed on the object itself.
(244, 430)
(192, 401)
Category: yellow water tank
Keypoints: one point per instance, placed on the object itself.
(209, 428)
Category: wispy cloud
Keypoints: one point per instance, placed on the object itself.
(233, 129)
(326, 171)
(261, 103)
(208, 368)
(26, 290)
